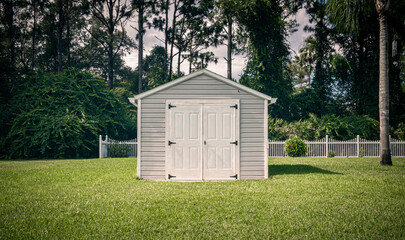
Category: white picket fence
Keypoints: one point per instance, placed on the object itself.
(113, 148)
(320, 148)
(350, 148)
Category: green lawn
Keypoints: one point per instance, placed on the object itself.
(305, 198)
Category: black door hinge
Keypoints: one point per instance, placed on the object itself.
(234, 106)
(171, 106)
(170, 176)
(234, 176)
(236, 143)
(170, 143)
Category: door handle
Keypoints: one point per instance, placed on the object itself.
(205, 142)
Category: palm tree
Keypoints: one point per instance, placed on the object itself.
(307, 55)
(345, 15)
(385, 153)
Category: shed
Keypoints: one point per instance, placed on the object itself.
(201, 127)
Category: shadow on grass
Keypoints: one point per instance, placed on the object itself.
(296, 169)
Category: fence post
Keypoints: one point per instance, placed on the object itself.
(100, 150)
(358, 145)
(327, 145)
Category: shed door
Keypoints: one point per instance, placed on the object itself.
(201, 141)
(185, 142)
(219, 137)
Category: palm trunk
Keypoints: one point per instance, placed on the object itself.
(140, 49)
(385, 153)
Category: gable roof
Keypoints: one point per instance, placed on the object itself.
(207, 73)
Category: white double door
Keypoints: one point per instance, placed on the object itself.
(201, 140)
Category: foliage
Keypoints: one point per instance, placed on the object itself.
(331, 154)
(314, 128)
(362, 152)
(399, 133)
(268, 53)
(61, 116)
(116, 150)
(295, 147)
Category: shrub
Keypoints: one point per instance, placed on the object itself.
(400, 132)
(314, 128)
(295, 147)
(61, 116)
(118, 150)
(362, 152)
(331, 154)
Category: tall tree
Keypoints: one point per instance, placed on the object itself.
(226, 11)
(111, 16)
(317, 12)
(145, 10)
(266, 25)
(385, 153)
(356, 26)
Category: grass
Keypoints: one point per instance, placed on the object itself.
(305, 198)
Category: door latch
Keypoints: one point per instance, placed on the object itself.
(236, 143)
(234, 106)
(170, 143)
(171, 106)
(170, 176)
(234, 176)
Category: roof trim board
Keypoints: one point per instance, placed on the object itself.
(207, 73)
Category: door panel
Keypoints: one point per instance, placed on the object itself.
(219, 129)
(186, 134)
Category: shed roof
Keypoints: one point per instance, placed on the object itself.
(207, 73)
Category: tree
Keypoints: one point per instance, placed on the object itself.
(347, 17)
(232, 32)
(385, 153)
(145, 10)
(266, 28)
(317, 12)
(62, 115)
(109, 18)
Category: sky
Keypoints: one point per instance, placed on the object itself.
(295, 41)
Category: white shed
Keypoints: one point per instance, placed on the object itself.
(201, 127)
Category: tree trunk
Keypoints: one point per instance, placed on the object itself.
(172, 40)
(68, 33)
(110, 45)
(34, 27)
(385, 153)
(140, 47)
(9, 17)
(179, 62)
(60, 34)
(229, 48)
(166, 36)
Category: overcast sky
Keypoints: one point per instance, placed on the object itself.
(295, 41)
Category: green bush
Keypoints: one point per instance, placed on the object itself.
(295, 147)
(399, 133)
(331, 154)
(117, 150)
(314, 128)
(362, 152)
(62, 115)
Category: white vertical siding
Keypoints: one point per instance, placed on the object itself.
(252, 122)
